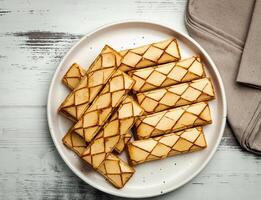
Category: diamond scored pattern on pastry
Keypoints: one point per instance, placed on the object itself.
(123, 141)
(91, 84)
(149, 55)
(176, 95)
(116, 171)
(114, 130)
(73, 76)
(78, 72)
(172, 120)
(167, 74)
(97, 94)
(185, 141)
(104, 105)
(74, 142)
(113, 168)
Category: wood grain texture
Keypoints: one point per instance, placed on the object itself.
(34, 36)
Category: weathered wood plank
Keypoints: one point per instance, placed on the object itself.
(27, 68)
(70, 16)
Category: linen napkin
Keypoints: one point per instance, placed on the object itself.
(250, 65)
(222, 27)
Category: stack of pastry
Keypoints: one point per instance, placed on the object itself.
(149, 90)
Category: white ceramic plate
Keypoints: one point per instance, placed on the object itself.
(152, 178)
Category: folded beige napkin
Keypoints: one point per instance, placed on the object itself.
(229, 30)
(250, 65)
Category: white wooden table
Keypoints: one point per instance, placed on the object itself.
(34, 36)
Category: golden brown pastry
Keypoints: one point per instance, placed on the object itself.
(71, 79)
(104, 113)
(149, 55)
(111, 133)
(116, 171)
(77, 102)
(167, 74)
(74, 142)
(176, 95)
(104, 105)
(123, 142)
(173, 120)
(188, 140)
(73, 76)
(113, 169)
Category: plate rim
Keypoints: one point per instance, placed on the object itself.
(223, 96)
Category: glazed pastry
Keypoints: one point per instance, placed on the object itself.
(188, 140)
(167, 74)
(173, 120)
(115, 170)
(176, 95)
(74, 142)
(77, 72)
(73, 76)
(77, 102)
(149, 55)
(111, 133)
(123, 142)
(104, 105)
